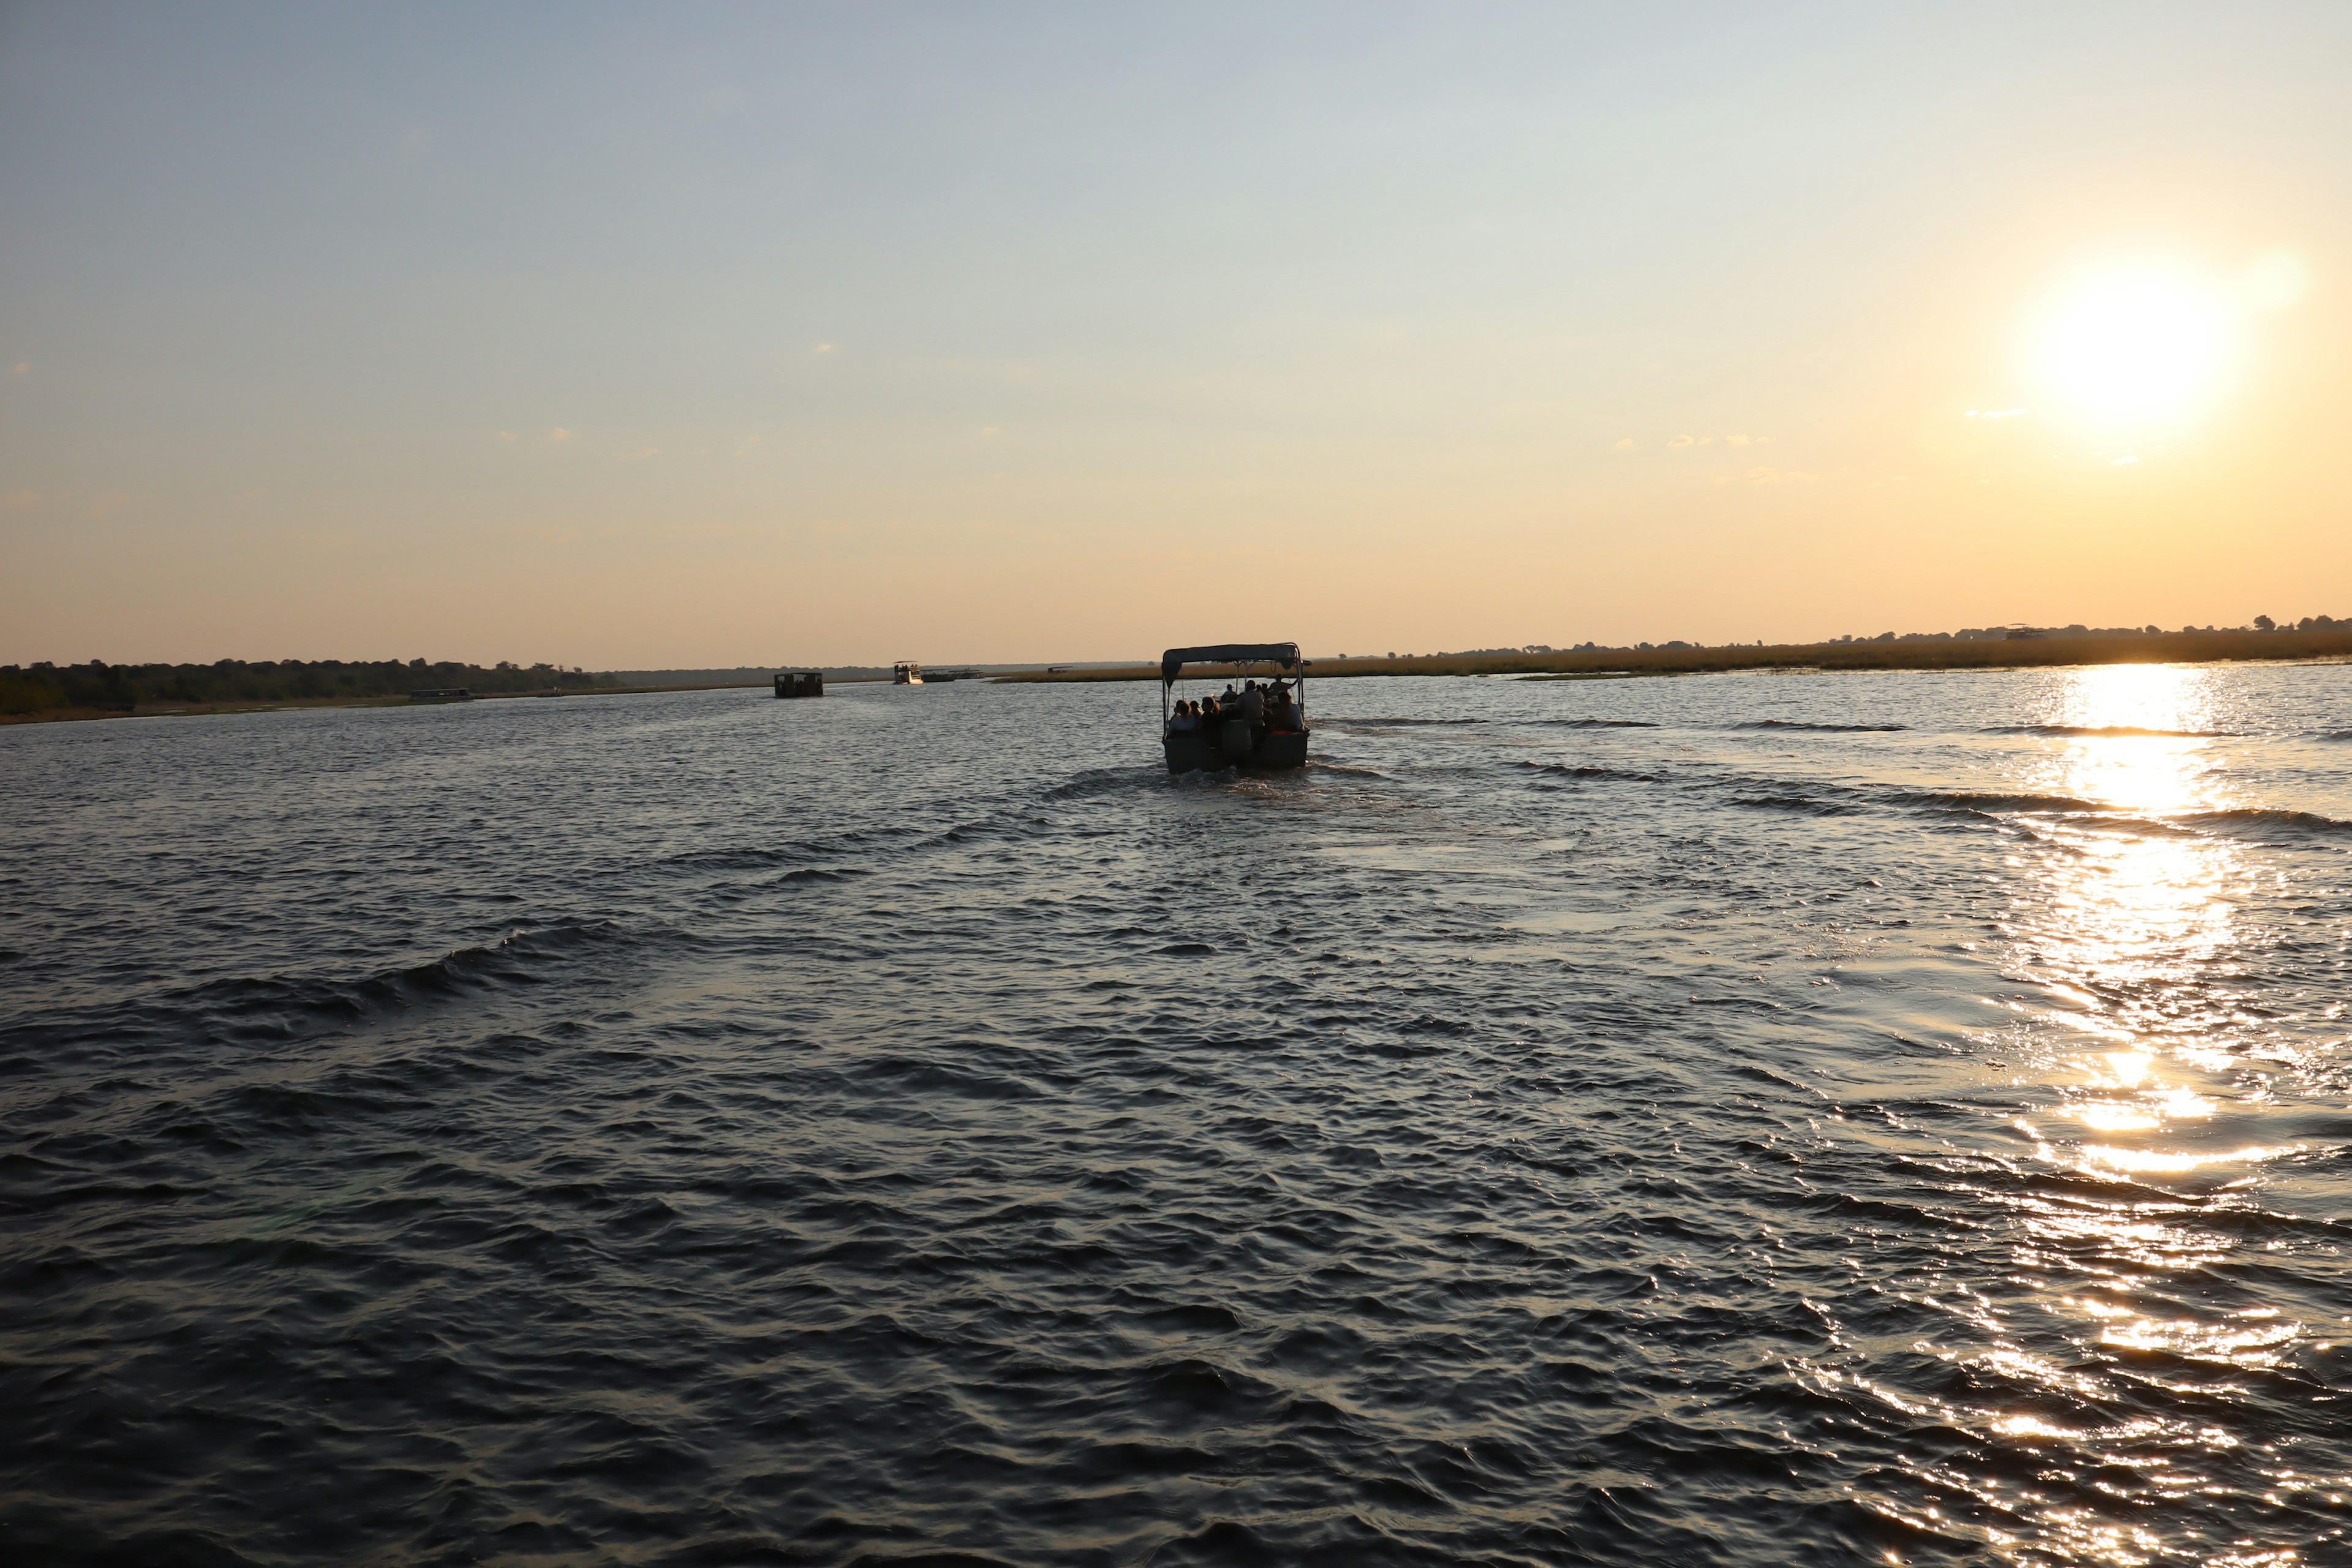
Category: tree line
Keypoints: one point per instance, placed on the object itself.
(123, 688)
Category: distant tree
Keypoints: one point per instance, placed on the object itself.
(2264, 624)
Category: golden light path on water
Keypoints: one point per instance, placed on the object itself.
(2126, 917)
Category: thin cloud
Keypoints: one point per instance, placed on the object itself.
(508, 435)
(1735, 440)
(559, 433)
(822, 349)
(1681, 441)
(22, 367)
(1624, 444)
(15, 499)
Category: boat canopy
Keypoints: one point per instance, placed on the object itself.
(1174, 661)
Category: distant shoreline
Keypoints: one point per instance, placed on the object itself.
(197, 709)
(2037, 653)
(2042, 653)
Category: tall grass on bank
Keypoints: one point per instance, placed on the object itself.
(2167, 647)
(99, 688)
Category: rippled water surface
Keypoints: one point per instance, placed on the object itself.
(1737, 1119)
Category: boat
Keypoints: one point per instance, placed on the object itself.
(1269, 740)
(800, 684)
(442, 694)
(906, 674)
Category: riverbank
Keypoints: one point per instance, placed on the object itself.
(194, 710)
(2168, 647)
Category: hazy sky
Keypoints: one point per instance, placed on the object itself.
(708, 335)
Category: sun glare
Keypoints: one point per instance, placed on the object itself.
(2135, 348)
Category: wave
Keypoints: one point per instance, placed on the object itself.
(2266, 816)
(1585, 771)
(1098, 781)
(2117, 816)
(2335, 735)
(263, 999)
(2107, 729)
(1812, 806)
(1974, 800)
(1597, 723)
(748, 857)
(1819, 728)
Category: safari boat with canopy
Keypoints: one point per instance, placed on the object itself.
(1258, 725)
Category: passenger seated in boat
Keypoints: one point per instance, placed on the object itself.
(1181, 722)
(1252, 703)
(1211, 715)
(1281, 710)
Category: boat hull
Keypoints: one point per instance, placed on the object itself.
(1203, 754)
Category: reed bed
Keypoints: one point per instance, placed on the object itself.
(2167, 647)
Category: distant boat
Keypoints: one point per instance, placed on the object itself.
(449, 694)
(1264, 729)
(801, 683)
(906, 675)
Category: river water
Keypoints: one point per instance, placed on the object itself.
(1737, 1119)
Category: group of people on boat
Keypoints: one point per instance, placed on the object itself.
(1263, 708)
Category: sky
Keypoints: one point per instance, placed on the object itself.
(705, 335)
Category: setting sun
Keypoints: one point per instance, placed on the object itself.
(2134, 347)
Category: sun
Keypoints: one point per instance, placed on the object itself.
(2134, 347)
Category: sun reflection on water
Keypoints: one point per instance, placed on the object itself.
(2128, 921)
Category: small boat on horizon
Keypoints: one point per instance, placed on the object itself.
(906, 673)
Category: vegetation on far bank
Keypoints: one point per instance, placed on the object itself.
(99, 688)
(2164, 648)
